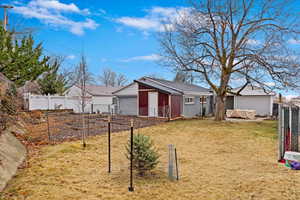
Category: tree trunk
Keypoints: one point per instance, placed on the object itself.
(220, 108)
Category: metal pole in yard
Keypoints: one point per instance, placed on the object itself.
(131, 188)
(83, 130)
(109, 158)
(171, 162)
(279, 132)
(48, 127)
(202, 102)
(88, 122)
(177, 174)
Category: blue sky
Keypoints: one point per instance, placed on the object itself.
(117, 34)
(106, 31)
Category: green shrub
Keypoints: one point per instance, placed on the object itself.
(145, 156)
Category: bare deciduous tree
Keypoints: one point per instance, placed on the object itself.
(184, 77)
(83, 78)
(234, 43)
(111, 78)
(121, 80)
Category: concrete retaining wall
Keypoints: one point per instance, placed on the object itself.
(12, 154)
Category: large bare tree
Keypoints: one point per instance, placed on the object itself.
(234, 43)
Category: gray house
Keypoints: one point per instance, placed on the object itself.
(151, 97)
(126, 99)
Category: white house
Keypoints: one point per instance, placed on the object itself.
(97, 98)
(252, 98)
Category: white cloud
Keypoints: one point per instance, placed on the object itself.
(293, 41)
(253, 42)
(270, 84)
(156, 18)
(103, 60)
(290, 96)
(151, 57)
(56, 5)
(71, 57)
(50, 12)
(140, 23)
(102, 11)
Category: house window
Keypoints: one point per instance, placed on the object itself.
(203, 99)
(189, 100)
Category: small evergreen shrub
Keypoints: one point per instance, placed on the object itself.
(145, 156)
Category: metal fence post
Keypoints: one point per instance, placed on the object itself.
(176, 162)
(109, 151)
(83, 130)
(48, 127)
(294, 129)
(88, 124)
(131, 188)
(171, 162)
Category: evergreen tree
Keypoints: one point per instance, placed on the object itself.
(145, 156)
(52, 82)
(21, 61)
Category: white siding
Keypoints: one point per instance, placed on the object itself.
(131, 90)
(261, 104)
(40, 102)
(102, 99)
(99, 104)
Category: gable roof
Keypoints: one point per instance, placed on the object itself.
(254, 91)
(122, 88)
(99, 90)
(173, 87)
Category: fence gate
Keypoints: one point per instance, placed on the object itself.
(288, 129)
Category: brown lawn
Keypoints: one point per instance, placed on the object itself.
(216, 161)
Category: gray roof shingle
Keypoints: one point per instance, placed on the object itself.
(173, 87)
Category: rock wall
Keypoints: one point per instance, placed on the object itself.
(12, 154)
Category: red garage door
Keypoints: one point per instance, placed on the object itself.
(176, 105)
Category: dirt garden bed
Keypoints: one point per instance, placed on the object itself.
(66, 126)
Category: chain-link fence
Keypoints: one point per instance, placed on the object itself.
(288, 129)
(2, 123)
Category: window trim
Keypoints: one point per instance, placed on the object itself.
(204, 102)
(189, 97)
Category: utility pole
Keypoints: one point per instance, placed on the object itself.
(5, 21)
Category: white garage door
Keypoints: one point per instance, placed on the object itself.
(262, 104)
(128, 105)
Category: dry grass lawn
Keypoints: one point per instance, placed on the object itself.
(216, 161)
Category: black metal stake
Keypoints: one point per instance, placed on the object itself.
(49, 138)
(131, 188)
(109, 158)
(177, 174)
(88, 125)
(83, 131)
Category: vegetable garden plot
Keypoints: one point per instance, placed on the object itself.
(70, 126)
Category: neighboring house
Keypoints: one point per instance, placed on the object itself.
(252, 98)
(97, 98)
(153, 97)
(126, 99)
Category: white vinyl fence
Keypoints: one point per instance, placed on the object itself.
(55, 102)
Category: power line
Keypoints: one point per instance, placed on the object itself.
(5, 21)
